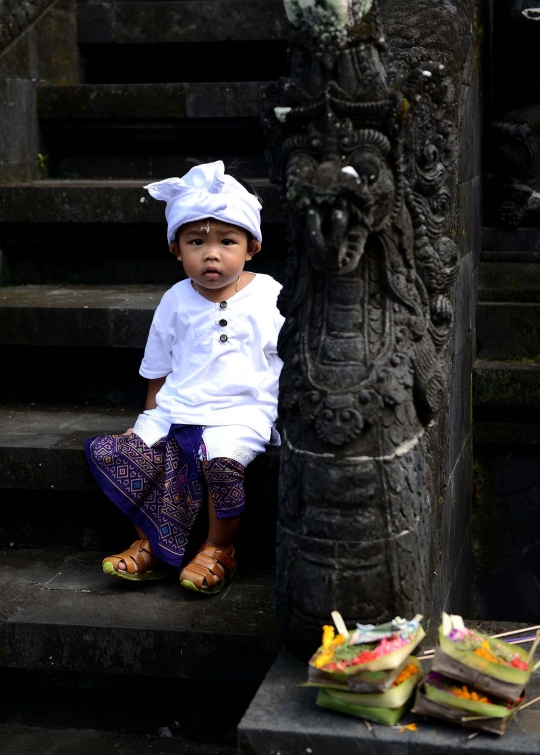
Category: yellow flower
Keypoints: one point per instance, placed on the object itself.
(327, 637)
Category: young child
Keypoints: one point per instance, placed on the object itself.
(213, 370)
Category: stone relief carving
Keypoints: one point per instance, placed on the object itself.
(361, 157)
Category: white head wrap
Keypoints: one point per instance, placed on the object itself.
(207, 192)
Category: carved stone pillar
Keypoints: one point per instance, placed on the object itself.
(361, 156)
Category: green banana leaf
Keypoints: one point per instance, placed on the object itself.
(471, 706)
(386, 716)
(495, 670)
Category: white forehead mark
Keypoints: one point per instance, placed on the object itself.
(206, 227)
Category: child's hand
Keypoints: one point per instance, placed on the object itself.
(128, 432)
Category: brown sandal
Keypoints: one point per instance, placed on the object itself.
(132, 557)
(209, 571)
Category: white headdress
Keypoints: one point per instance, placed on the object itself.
(207, 192)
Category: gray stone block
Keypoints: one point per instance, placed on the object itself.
(464, 302)
(283, 718)
(512, 384)
(518, 240)
(47, 48)
(459, 397)
(508, 280)
(186, 22)
(470, 150)
(508, 331)
(19, 147)
(468, 220)
(56, 44)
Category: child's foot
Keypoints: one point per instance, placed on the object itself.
(211, 569)
(136, 563)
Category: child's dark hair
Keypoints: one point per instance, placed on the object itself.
(234, 168)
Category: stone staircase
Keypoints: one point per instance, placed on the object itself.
(506, 399)
(83, 264)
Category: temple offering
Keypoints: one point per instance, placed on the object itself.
(476, 680)
(368, 672)
(490, 665)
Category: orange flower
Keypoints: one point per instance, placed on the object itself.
(483, 653)
(408, 671)
(466, 694)
(408, 727)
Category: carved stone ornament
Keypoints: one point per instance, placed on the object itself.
(361, 158)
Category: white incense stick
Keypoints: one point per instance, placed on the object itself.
(475, 718)
(536, 699)
(429, 653)
(340, 624)
(515, 631)
(533, 648)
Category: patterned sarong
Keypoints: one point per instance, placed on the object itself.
(161, 489)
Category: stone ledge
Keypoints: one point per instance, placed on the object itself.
(64, 614)
(283, 718)
(100, 202)
(508, 280)
(16, 740)
(173, 22)
(507, 433)
(42, 448)
(516, 241)
(508, 330)
(506, 384)
(112, 316)
(148, 102)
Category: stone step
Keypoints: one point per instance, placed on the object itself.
(92, 316)
(100, 202)
(506, 384)
(78, 379)
(41, 449)
(148, 102)
(189, 21)
(509, 277)
(105, 232)
(60, 613)
(514, 241)
(82, 316)
(139, 130)
(507, 433)
(508, 330)
(35, 740)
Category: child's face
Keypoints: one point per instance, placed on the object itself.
(213, 253)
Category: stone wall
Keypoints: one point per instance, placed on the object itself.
(450, 32)
(37, 43)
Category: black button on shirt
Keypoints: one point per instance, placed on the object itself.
(223, 338)
(223, 323)
(223, 305)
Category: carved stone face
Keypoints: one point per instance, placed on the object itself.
(344, 206)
